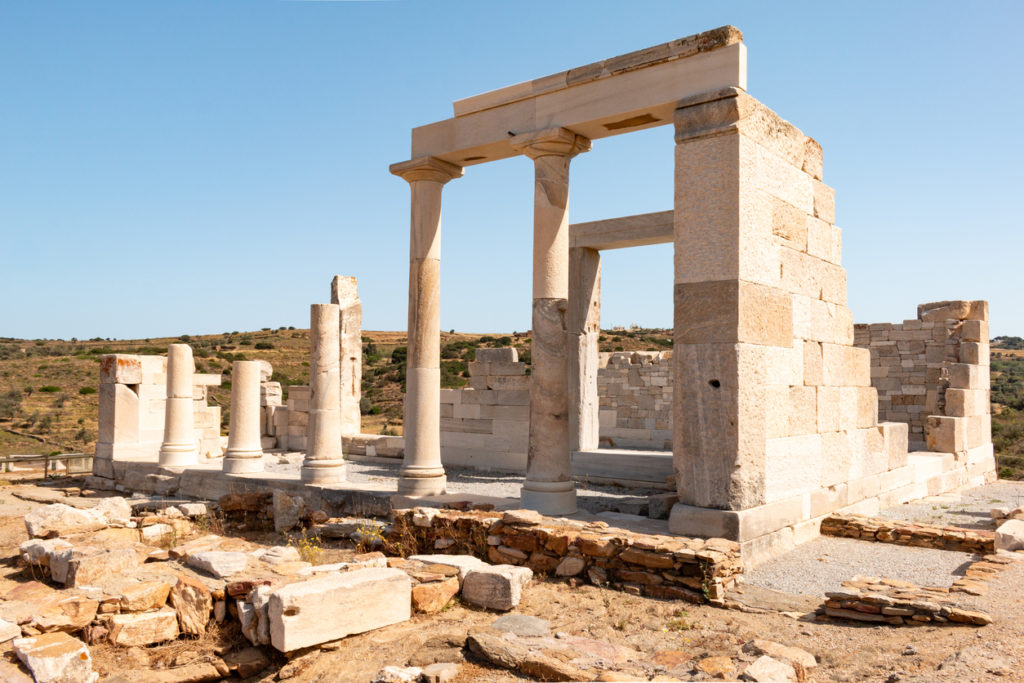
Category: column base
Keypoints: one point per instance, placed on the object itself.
(422, 486)
(178, 455)
(243, 462)
(549, 497)
(323, 472)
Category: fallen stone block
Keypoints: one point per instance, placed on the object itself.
(277, 554)
(440, 672)
(464, 563)
(765, 669)
(193, 602)
(194, 509)
(512, 653)
(498, 587)
(155, 533)
(782, 652)
(88, 565)
(116, 511)
(1010, 535)
(8, 631)
(37, 552)
(334, 606)
(143, 628)
(56, 658)
(219, 563)
(69, 613)
(145, 595)
(58, 519)
(246, 662)
(433, 596)
(398, 674)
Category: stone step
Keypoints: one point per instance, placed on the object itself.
(614, 463)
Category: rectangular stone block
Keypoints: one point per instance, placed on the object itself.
(506, 354)
(824, 202)
(803, 411)
(836, 457)
(976, 353)
(974, 331)
(792, 466)
(979, 431)
(828, 409)
(271, 394)
(119, 420)
(856, 367)
(731, 311)
(967, 402)
(511, 369)
(334, 606)
(945, 434)
(967, 376)
(814, 319)
(897, 442)
(119, 368)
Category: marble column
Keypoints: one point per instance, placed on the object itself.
(422, 472)
(548, 487)
(179, 447)
(584, 359)
(324, 462)
(245, 452)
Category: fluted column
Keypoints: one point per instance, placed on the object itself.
(548, 487)
(324, 462)
(422, 472)
(245, 452)
(179, 445)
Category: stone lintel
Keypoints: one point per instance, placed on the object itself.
(426, 168)
(627, 231)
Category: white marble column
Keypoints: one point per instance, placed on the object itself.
(179, 447)
(245, 452)
(324, 462)
(422, 472)
(584, 359)
(548, 487)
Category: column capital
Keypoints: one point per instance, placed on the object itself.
(550, 142)
(426, 168)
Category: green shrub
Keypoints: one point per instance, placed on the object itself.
(85, 391)
(49, 389)
(264, 346)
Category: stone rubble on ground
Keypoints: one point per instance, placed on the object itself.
(56, 658)
(1010, 535)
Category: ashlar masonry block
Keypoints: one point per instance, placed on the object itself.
(945, 434)
(967, 402)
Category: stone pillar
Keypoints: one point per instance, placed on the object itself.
(324, 462)
(422, 472)
(548, 487)
(584, 330)
(244, 453)
(179, 446)
(345, 294)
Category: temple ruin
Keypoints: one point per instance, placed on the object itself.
(772, 410)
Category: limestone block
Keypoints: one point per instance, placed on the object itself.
(86, 565)
(803, 411)
(143, 628)
(945, 434)
(512, 369)
(336, 605)
(974, 352)
(789, 223)
(118, 414)
(732, 311)
(897, 442)
(218, 563)
(1009, 535)
(55, 658)
(507, 354)
(59, 519)
(271, 394)
(953, 310)
(814, 319)
(792, 466)
(967, 402)
(856, 367)
(145, 595)
(979, 430)
(119, 368)
(824, 202)
(974, 331)
(836, 458)
(869, 454)
(813, 364)
(498, 587)
(777, 412)
(828, 409)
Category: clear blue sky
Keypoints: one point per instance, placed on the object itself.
(200, 167)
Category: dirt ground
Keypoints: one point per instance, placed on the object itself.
(647, 638)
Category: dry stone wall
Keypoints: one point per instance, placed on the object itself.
(635, 396)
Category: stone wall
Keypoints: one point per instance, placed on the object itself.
(692, 569)
(635, 395)
(133, 398)
(932, 374)
(488, 424)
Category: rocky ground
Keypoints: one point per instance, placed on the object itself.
(557, 631)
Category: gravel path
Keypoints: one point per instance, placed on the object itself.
(824, 563)
(967, 509)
